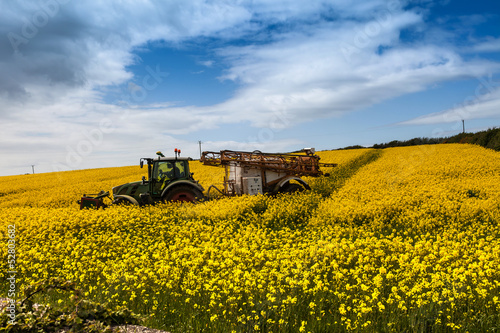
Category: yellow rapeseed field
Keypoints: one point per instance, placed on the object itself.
(395, 240)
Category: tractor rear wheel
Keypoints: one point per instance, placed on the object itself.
(292, 188)
(183, 193)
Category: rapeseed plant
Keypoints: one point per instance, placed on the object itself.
(408, 241)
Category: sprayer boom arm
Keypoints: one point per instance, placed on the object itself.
(292, 164)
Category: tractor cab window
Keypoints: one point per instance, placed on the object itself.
(162, 173)
(169, 170)
(179, 169)
(166, 171)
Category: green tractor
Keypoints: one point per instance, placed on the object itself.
(169, 179)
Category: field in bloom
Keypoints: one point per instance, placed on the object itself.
(395, 240)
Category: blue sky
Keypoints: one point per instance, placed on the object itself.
(99, 84)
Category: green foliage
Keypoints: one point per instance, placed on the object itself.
(76, 314)
(488, 139)
(352, 147)
(412, 142)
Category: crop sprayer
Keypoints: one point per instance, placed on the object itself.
(169, 178)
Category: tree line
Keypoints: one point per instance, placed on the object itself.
(489, 138)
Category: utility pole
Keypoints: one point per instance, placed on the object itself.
(199, 142)
(33, 168)
(463, 126)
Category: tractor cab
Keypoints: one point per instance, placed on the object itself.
(163, 171)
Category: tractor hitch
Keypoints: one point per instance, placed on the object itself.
(93, 200)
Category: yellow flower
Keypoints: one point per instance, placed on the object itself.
(393, 231)
(381, 306)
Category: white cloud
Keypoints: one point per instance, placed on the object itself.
(306, 76)
(485, 104)
(489, 45)
(207, 63)
(251, 145)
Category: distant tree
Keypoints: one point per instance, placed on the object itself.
(353, 147)
(489, 139)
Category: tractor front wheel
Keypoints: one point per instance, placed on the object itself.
(183, 193)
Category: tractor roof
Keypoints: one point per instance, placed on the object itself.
(172, 158)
